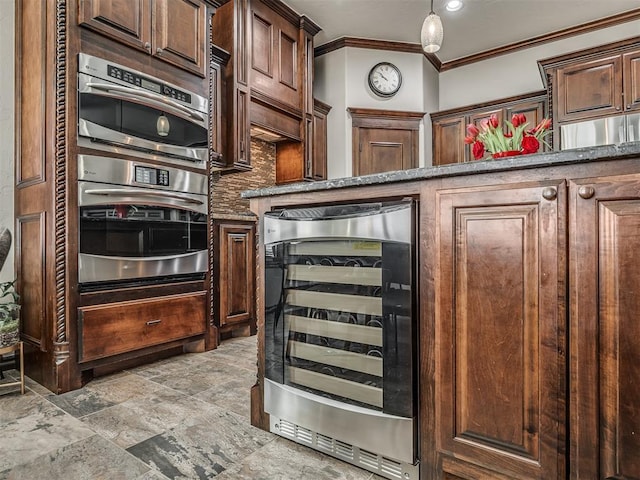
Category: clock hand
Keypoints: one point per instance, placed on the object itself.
(384, 77)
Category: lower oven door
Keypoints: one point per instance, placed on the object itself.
(142, 234)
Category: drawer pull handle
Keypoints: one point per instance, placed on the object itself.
(154, 322)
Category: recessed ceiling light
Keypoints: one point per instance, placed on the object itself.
(454, 5)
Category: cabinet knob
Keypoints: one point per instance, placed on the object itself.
(586, 192)
(550, 193)
(159, 52)
(147, 46)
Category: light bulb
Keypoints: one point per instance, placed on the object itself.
(162, 126)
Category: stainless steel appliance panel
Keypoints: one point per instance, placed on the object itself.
(368, 429)
(93, 168)
(98, 268)
(122, 108)
(591, 133)
(376, 223)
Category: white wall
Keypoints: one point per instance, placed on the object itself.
(517, 73)
(7, 13)
(341, 81)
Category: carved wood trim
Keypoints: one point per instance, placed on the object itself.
(283, 10)
(309, 25)
(369, 117)
(61, 344)
(275, 104)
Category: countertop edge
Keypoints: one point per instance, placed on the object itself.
(565, 157)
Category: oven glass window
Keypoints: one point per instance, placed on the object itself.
(141, 121)
(125, 230)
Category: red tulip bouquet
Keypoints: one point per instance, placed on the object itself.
(491, 139)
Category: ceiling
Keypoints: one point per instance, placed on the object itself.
(479, 26)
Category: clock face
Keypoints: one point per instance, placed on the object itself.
(385, 79)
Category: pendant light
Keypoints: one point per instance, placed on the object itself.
(432, 33)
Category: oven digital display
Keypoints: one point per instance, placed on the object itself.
(152, 176)
(149, 85)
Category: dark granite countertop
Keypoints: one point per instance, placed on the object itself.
(565, 157)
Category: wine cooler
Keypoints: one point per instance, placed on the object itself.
(341, 332)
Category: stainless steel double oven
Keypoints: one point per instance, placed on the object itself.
(143, 204)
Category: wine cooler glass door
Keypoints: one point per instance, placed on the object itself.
(339, 320)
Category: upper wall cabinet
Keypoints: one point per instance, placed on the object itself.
(449, 127)
(274, 54)
(594, 83)
(174, 31)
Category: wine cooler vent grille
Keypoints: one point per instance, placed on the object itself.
(373, 462)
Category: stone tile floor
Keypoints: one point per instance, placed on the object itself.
(186, 417)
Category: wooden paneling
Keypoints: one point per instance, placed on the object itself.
(631, 74)
(172, 30)
(31, 95)
(280, 45)
(503, 362)
(288, 56)
(319, 147)
(261, 44)
(383, 150)
(384, 140)
(604, 287)
(289, 165)
(31, 260)
(110, 329)
(235, 275)
(449, 126)
(179, 35)
(128, 21)
(447, 147)
(589, 89)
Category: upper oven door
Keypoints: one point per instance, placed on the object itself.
(136, 119)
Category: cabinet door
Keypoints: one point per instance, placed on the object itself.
(604, 330)
(589, 89)
(631, 74)
(180, 33)
(319, 158)
(534, 111)
(236, 257)
(126, 21)
(500, 323)
(383, 150)
(448, 141)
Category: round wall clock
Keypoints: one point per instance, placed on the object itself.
(385, 79)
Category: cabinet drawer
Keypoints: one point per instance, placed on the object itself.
(114, 328)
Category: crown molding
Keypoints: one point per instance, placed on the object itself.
(513, 47)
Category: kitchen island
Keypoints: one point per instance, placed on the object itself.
(528, 286)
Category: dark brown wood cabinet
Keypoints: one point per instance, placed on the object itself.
(449, 126)
(384, 140)
(589, 89)
(230, 32)
(234, 271)
(115, 328)
(604, 284)
(499, 385)
(447, 147)
(593, 83)
(317, 167)
(158, 27)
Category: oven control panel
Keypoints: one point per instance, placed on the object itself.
(151, 176)
(143, 82)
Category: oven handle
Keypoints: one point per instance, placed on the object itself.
(137, 193)
(147, 95)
